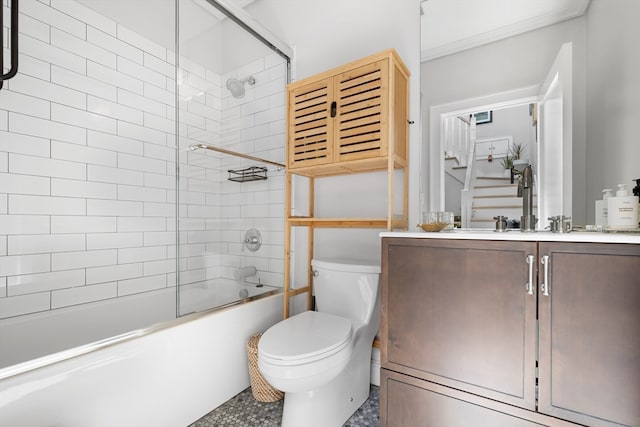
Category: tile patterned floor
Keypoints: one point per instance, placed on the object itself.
(244, 411)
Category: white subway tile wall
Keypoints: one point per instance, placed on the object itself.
(88, 165)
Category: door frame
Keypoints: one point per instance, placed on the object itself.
(437, 115)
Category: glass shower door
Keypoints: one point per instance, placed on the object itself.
(231, 128)
(87, 173)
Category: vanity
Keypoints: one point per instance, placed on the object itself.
(481, 328)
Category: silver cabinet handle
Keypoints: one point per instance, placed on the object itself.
(544, 286)
(531, 260)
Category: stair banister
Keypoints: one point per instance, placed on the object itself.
(467, 192)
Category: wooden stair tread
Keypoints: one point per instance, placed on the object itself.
(496, 196)
(496, 186)
(500, 207)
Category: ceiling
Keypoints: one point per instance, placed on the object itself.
(447, 26)
(159, 27)
(450, 26)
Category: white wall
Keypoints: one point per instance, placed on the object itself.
(215, 213)
(330, 33)
(513, 121)
(613, 96)
(517, 62)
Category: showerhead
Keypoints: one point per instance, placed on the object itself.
(236, 87)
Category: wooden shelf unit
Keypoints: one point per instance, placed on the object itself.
(348, 120)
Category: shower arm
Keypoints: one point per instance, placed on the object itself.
(234, 153)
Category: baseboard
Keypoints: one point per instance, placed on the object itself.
(375, 367)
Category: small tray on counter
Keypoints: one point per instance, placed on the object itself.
(433, 227)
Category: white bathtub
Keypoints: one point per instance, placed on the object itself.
(25, 338)
(169, 374)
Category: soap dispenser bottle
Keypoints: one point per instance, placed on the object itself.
(601, 207)
(622, 210)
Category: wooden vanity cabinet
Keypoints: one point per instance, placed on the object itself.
(466, 340)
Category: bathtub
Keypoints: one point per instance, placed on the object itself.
(169, 374)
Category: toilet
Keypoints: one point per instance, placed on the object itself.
(321, 359)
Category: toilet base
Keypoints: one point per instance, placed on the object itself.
(332, 404)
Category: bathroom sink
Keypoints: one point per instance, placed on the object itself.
(492, 231)
(473, 230)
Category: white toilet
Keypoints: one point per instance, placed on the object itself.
(321, 359)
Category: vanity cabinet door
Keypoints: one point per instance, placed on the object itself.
(410, 402)
(590, 333)
(457, 313)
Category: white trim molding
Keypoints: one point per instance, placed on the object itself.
(502, 33)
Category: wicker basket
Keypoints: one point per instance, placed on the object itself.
(261, 389)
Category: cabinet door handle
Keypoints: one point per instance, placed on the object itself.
(531, 260)
(334, 109)
(544, 286)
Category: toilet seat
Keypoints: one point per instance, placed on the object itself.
(305, 338)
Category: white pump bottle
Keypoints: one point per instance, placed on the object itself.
(622, 210)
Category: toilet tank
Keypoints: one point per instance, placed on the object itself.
(346, 288)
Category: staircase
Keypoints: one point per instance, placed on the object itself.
(470, 172)
(493, 196)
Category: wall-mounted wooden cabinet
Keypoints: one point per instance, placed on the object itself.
(351, 119)
(510, 333)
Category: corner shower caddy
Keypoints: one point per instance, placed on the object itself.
(351, 119)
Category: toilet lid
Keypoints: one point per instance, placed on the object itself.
(305, 337)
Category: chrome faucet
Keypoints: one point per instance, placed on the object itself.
(525, 190)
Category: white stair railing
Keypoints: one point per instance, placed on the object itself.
(457, 140)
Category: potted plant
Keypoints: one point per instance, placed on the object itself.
(507, 164)
(517, 151)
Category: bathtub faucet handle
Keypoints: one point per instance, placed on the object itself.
(252, 240)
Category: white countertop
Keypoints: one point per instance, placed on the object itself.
(538, 236)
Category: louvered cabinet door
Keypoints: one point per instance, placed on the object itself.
(310, 125)
(362, 112)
